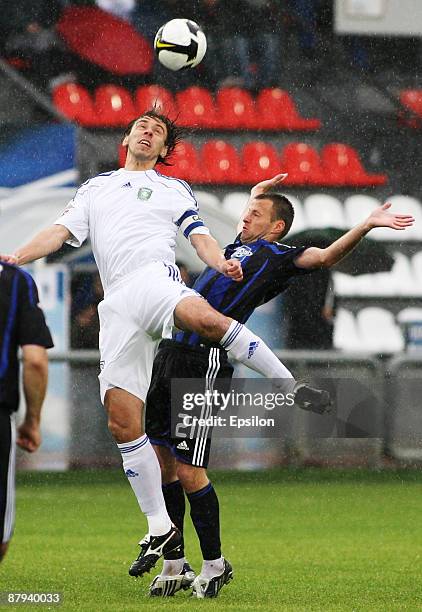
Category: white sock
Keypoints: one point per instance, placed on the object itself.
(142, 469)
(212, 568)
(172, 567)
(251, 350)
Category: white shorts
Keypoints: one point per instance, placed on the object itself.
(134, 317)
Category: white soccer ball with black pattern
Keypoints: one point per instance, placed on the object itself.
(180, 44)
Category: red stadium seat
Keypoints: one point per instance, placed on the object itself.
(235, 109)
(342, 166)
(184, 164)
(196, 108)
(75, 102)
(114, 106)
(221, 163)
(277, 111)
(150, 96)
(303, 165)
(411, 100)
(260, 161)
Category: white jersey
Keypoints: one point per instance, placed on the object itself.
(132, 218)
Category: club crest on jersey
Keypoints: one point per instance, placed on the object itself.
(242, 252)
(144, 193)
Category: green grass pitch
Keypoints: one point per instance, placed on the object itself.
(298, 540)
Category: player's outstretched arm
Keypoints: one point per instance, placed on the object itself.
(46, 242)
(259, 189)
(325, 258)
(209, 251)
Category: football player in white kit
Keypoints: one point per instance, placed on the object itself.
(132, 216)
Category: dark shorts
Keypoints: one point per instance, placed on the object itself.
(177, 360)
(7, 474)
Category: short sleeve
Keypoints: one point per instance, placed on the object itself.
(76, 217)
(287, 257)
(187, 217)
(31, 325)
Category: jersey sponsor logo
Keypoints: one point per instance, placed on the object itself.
(144, 193)
(131, 473)
(252, 348)
(242, 252)
(127, 185)
(183, 446)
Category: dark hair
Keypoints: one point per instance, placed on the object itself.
(282, 209)
(175, 133)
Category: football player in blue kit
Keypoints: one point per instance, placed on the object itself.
(267, 266)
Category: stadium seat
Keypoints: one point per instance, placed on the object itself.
(411, 99)
(235, 109)
(399, 281)
(378, 330)
(221, 163)
(184, 164)
(234, 204)
(416, 263)
(150, 96)
(299, 221)
(75, 102)
(196, 108)
(324, 211)
(303, 165)
(114, 106)
(208, 200)
(358, 207)
(260, 161)
(412, 206)
(346, 285)
(277, 111)
(346, 337)
(409, 315)
(342, 166)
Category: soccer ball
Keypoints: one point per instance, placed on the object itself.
(179, 44)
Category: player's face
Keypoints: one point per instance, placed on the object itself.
(258, 222)
(146, 140)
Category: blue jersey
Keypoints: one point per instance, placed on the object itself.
(21, 322)
(267, 268)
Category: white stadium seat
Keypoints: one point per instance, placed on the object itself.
(412, 206)
(207, 199)
(378, 330)
(234, 204)
(358, 207)
(299, 221)
(346, 336)
(324, 211)
(409, 315)
(417, 267)
(347, 285)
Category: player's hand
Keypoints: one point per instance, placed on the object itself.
(267, 185)
(10, 259)
(381, 217)
(29, 436)
(233, 269)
